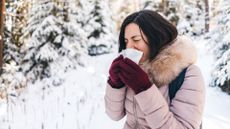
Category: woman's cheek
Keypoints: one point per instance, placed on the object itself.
(142, 58)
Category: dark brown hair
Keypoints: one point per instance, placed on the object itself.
(158, 30)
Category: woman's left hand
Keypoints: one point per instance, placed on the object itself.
(133, 76)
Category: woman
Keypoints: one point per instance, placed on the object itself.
(140, 91)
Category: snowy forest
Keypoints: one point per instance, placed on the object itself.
(55, 56)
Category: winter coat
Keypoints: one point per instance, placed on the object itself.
(152, 109)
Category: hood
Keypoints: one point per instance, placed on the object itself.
(170, 61)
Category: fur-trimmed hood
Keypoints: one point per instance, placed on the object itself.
(170, 61)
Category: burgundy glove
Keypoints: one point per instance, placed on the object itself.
(133, 76)
(114, 70)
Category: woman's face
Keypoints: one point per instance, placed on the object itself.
(133, 39)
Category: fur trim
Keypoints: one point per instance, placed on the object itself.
(170, 61)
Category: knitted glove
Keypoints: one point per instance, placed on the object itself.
(114, 70)
(133, 76)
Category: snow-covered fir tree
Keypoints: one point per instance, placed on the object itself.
(19, 19)
(11, 51)
(192, 18)
(220, 45)
(99, 26)
(15, 21)
(55, 44)
(150, 4)
(170, 9)
(12, 81)
(167, 8)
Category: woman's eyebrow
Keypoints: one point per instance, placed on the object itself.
(134, 37)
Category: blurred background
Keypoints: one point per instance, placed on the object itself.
(55, 56)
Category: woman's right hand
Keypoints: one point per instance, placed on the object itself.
(114, 70)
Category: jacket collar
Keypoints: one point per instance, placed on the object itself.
(170, 61)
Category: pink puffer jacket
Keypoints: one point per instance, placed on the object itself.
(151, 109)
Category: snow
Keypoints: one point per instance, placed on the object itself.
(217, 114)
(72, 98)
(79, 104)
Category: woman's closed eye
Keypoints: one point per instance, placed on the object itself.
(136, 40)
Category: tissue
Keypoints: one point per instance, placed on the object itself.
(132, 54)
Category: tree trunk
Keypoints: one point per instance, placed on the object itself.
(2, 10)
(206, 16)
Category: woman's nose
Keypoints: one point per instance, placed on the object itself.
(130, 45)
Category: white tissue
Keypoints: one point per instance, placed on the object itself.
(132, 54)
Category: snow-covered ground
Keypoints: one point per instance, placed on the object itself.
(79, 102)
(217, 113)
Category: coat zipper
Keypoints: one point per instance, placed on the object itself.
(135, 113)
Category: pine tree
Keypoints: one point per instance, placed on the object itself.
(192, 18)
(12, 80)
(54, 44)
(167, 8)
(99, 26)
(150, 4)
(170, 11)
(221, 48)
(15, 21)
